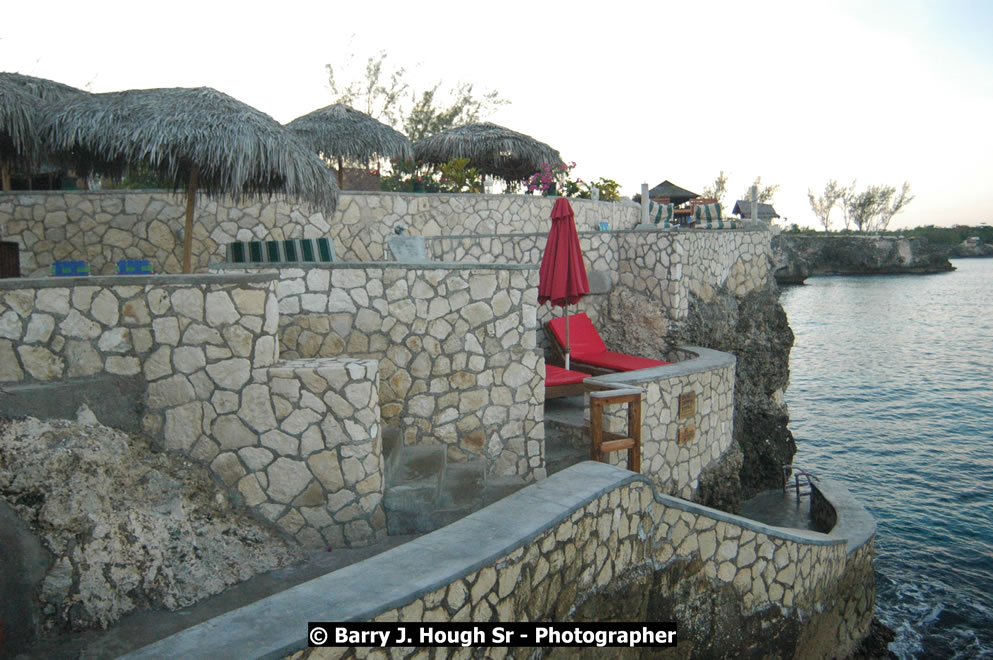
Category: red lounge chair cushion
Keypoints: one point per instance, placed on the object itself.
(558, 376)
(617, 361)
(583, 337)
(585, 345)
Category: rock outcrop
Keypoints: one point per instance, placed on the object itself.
(104, 526)
(755, 329)
(798, 256)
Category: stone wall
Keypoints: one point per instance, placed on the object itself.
(103, 227)
(298, 440)
(591, 543)
(456, 346)
(679, 446)
(666, 266)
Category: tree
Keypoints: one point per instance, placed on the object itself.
(719, 189)
(873, 208)
(847, 199)
(833, 193)
(385, 95)
(765, 194)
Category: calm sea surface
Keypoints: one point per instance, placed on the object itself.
(891, 392)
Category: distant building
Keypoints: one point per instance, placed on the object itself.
(743, 209)
(671, 194)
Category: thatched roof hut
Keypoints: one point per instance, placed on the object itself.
(42, 88)
(199, 138)
(494, 150)
(18, 125)
(341, 132)
(21, 100)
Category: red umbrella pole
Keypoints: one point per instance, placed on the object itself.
(566, 307)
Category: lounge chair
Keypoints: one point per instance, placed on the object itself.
(298, 250)
(563, 382)
(587, 350)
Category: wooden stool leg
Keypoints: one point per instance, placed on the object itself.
(596, 429)
(634, 431)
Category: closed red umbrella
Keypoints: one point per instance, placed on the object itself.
(562, 276)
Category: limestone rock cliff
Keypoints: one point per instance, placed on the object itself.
(755, 329)
(798, 256)
(104, 526)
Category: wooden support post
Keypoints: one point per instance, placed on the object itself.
(191, 199)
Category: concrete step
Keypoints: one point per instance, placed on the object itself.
(412, 487)
(564, 447)
(392, 444)
(425, 493)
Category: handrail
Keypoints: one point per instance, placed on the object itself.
(797, 473)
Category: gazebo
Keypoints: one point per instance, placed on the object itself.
(339, 131)
(492, 149)
(672, 192)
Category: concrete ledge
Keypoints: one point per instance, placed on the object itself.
(366, 265)
(276, 626)
(855, 525)
(706, 359)
(134, 280)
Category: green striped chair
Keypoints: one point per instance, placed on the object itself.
(660, 214)
(292, 251)
(706, 215)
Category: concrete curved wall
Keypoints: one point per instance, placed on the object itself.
(570, 548)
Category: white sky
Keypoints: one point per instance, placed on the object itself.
(881, 91)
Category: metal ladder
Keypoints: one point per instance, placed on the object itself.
(797, 473)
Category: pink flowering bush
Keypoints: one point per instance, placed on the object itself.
(548, 176)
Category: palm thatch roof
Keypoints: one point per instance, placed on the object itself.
(675, 194)
(342, 132)
(494, 150)
(21, 100)
(42, 88)
(237, 150)
(199, 137)
(18, 124)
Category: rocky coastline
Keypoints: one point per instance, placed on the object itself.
(797, 257)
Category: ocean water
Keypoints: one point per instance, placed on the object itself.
(891, 393)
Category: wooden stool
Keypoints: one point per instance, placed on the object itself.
(603, 442)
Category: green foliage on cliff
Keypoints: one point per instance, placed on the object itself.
(950, 235)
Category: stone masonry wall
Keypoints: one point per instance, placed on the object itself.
(664, 267)
(569, 572)
(299, 441)
(678, 446)
(590, 543)
(103, 227)
(455, 344)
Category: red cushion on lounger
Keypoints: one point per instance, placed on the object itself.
(559, 376)
(583, 337)
(617, 361)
